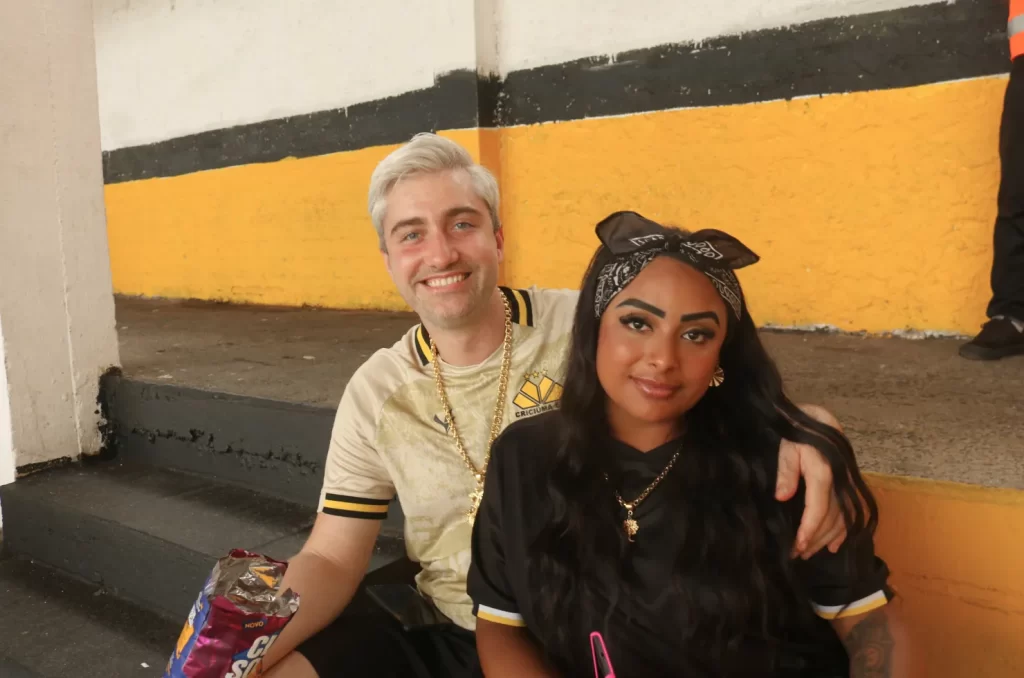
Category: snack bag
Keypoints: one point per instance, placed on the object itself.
(237, 617)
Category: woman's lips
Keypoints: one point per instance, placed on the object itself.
(658, 390)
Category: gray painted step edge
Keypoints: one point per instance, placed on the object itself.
(56, 626)
(45, 521)
(273, 447)
(152, 573)
(9, 669)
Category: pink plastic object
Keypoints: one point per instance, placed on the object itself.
(602, 662)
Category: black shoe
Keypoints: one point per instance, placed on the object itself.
(999, 338)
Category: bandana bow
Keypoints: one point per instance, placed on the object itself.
(636, 241)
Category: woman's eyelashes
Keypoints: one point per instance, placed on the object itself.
(699, 335)
(696, 335)
(635, 322)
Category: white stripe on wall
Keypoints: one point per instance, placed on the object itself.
(169, 69)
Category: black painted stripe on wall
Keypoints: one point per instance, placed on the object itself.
(884, 50)
(452, 103)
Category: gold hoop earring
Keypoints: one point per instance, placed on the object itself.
(718, 378)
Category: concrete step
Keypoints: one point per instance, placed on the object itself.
(9, 669)
(54, 626)
(273, 447)
(911, 408)
(149, 535)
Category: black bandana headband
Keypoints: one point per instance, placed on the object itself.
(636, 241)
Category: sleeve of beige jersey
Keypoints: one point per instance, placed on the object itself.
(356, 483)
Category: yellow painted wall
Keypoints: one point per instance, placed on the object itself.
(957, 557)
(872, 211)
(292, 233)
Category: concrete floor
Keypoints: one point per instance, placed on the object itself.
(296, 355)
(911, 408)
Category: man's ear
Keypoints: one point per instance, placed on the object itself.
(499, 237)
(387, 258)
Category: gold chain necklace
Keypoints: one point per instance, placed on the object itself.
(477, 495)
(630, 525)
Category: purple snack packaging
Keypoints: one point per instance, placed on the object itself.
(234, 621)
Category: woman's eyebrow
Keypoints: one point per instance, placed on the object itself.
(643, 305)
(699, 316)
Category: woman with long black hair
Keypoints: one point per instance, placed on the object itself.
(643, 509)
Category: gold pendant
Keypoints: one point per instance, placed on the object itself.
(630, 526)
(475, 497)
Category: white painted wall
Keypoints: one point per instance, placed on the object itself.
(540, 32)
(56, 295)
(169, 68)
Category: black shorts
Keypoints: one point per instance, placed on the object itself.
(367, 641)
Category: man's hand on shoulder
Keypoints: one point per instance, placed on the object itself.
(822, 523)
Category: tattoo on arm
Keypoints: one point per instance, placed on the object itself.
(870, 646)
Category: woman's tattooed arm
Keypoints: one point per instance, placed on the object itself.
(875, 643)
(870, 646)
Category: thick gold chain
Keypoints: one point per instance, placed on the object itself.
(499, 410)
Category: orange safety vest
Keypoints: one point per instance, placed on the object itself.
(1015, 29)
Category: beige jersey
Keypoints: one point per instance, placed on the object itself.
(389, 436)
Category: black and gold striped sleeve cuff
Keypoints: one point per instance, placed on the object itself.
(355, 507)
(498, 616)
(862, 606)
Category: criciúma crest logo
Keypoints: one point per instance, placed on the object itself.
(539, 393)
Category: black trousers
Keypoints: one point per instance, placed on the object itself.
(370, 644)
(1008, 259)
(365, 641)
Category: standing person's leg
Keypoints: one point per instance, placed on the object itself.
(1008, 266)
(1003, 335)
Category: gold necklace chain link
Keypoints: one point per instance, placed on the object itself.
(499, 409)
(650, 488)
(630, 525)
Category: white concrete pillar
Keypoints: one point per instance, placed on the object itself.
(6, 440)
(56, 301)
